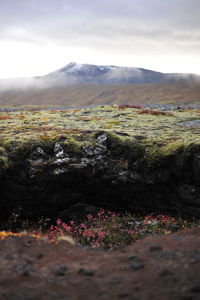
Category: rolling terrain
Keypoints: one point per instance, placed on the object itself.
(88, 94)
(82, 85)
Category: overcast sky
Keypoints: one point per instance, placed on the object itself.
(39, 36)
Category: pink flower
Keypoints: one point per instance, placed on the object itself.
(89, 234)
(102, 235)
(59, 222)
(90, 217)
(66, 227)
(83, 226)
(130, 232)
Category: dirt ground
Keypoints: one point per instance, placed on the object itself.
(159, 267)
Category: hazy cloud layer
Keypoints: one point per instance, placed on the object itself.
(142, 27)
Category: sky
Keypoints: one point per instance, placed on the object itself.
(40, 36)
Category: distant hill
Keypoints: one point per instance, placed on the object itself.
(90, 94)
(84, 84)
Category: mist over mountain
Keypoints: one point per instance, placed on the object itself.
(74, 73)
(84, 84)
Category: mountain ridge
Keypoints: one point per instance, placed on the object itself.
(85, 84)
(74, 73)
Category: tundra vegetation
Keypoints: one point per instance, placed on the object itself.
(152, 133)
(133, 132)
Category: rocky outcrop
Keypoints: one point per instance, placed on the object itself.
(47, 182)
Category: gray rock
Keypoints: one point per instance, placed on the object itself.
(87, 161)
(112, 280)
(136, 265)
(133, 256)
(102, 139)
(57, 148)
(59, 171)
(165, 272)
(86, 272)
(100, 150)
(192, 123)
(89, 150)
(135, 176)
(155, 248)
(61, 270)
(38, 153)
(37, 162)
(60, 161)
(59, 151)
(195, 288)
(123, 176)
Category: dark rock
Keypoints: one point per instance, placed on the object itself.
(39, 255)
(78, 211)
(61, 270)
(89, 150)
(123, 294)
(133, 256)
(86, 272)
(136, 265)
(195, 288)
(165, 272)
(186, 296)
(155, 248)
(194, 256)
(100, 150)
(38, 153)
(112, 280)
(168, 255)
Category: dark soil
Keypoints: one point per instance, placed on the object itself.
(158, 267)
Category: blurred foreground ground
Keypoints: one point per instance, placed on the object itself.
(158, 267)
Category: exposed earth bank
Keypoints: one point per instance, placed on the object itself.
(158, 267)
(47, 181)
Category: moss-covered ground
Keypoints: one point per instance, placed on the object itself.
(151, 133)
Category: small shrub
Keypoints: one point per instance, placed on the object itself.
(5, 117)
(155, 112)
(109, 230)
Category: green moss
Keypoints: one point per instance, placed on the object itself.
(4, 163)
(124, 147)
(73, 146)
(130, 134)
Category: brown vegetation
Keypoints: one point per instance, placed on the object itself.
(80, 95)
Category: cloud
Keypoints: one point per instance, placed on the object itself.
(123, 27)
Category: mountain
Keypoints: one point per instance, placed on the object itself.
(84, 73)
(74, 73)
(84, 84)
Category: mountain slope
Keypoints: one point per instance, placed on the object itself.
(85, 73)
(84, 84)
(74, 73)
(91, 94)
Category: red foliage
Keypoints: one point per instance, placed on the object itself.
(135, 106)
(21, 117)
(155, 112)
(123, 106)
(5, 117)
